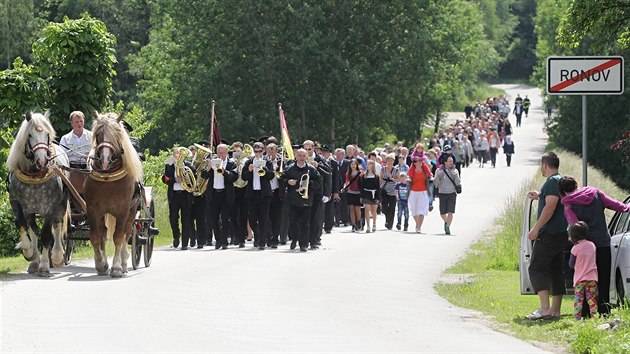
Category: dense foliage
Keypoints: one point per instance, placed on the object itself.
(566, 27)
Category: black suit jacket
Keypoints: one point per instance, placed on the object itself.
(265, 185)
(169, 176)
(343, 166)
(334, 174)
(229, 174)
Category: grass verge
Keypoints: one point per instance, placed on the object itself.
(494, 289)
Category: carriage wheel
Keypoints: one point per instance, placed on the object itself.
(136, 248)
(68, 249)
(148, 246)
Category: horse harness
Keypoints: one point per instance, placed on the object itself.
(40, 176)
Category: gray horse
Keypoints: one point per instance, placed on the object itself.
(35, 189)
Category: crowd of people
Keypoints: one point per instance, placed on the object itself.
(277, 199)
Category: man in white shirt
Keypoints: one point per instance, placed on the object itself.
(78, 142)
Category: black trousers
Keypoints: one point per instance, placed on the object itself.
(547, 263)
(493, 156)
(285, 224)
(329, 215)
(180, 202)
(603, 261)
(518, 119)
(458, 166)
(508, 159)
(220, 216)
(239, 217)
(275, 218)
(315, 220)
(389, 208)
(200, 220)
(300, 218)
(258, 209)
(341, 210)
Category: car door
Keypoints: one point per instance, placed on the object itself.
(525, 249)
(620, 254)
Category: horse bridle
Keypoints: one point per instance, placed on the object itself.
(115, 164)
(29, 151)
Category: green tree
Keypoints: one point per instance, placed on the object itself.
(17, 30)
(521, 56)
(76, 59)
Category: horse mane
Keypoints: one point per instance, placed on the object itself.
(17, 159)
(118, 135)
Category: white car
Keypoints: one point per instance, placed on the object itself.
(619, 228)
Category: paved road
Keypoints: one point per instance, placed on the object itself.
(359, 293)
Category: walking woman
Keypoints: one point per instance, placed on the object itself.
(495, 143)
(447, 181)
(418, 202)
(371, 183)
(588, 204)
(388, 190)
(353, 188)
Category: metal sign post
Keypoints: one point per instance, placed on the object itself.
(585, 76)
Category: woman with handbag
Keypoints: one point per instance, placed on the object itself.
(418, 202)
(389, 173)
(449, 184)
(352, 188)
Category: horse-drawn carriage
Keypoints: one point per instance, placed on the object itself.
(106, 202)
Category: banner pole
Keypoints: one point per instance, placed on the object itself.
(584, 142)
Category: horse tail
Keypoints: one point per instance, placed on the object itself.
(110, 224)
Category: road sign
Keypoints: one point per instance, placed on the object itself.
(585, 75)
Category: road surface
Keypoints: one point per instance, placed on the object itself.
(358, 293)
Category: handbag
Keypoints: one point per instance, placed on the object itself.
(345, 188)
(458, 187)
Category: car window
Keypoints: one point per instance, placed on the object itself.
(622, 224)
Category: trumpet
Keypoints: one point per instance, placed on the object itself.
(303, 187)
(216, 165)
(259, 166)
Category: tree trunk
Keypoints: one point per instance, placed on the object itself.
(437, 121)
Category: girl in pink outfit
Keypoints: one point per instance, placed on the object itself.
(585, 276)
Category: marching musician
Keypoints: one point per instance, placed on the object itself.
(179, 201)
(321, 192)
(199, 214)
(221, 177)
(258, 172)
(275, 216)
(300, 179)
(78, 142)
(341, 208)
(239, 211)
(329, 208)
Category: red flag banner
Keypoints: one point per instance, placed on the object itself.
(215, 135)
(286, 140)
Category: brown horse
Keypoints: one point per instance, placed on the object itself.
(110, 191)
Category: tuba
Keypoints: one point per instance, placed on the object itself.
(200, 163)
(303, 186)
(187, 175)
(245, 154)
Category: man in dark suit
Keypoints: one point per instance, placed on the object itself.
(179, 201)
(341, 200)
(321, 192)
(329, 207)
(300, 207)
(239, 212)
(221, 175)
(258, 173)
(275, 210)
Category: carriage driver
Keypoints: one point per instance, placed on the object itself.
(78, 142)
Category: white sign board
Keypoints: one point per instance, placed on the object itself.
(585, 75)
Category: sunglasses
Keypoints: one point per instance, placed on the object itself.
(258, 151)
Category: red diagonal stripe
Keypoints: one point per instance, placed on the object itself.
(572, 80)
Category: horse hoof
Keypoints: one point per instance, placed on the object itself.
(116, 273)
(33, 267)
(44, 273)
(57, 259)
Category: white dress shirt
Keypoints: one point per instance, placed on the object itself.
(219, 180)
(77, 147)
